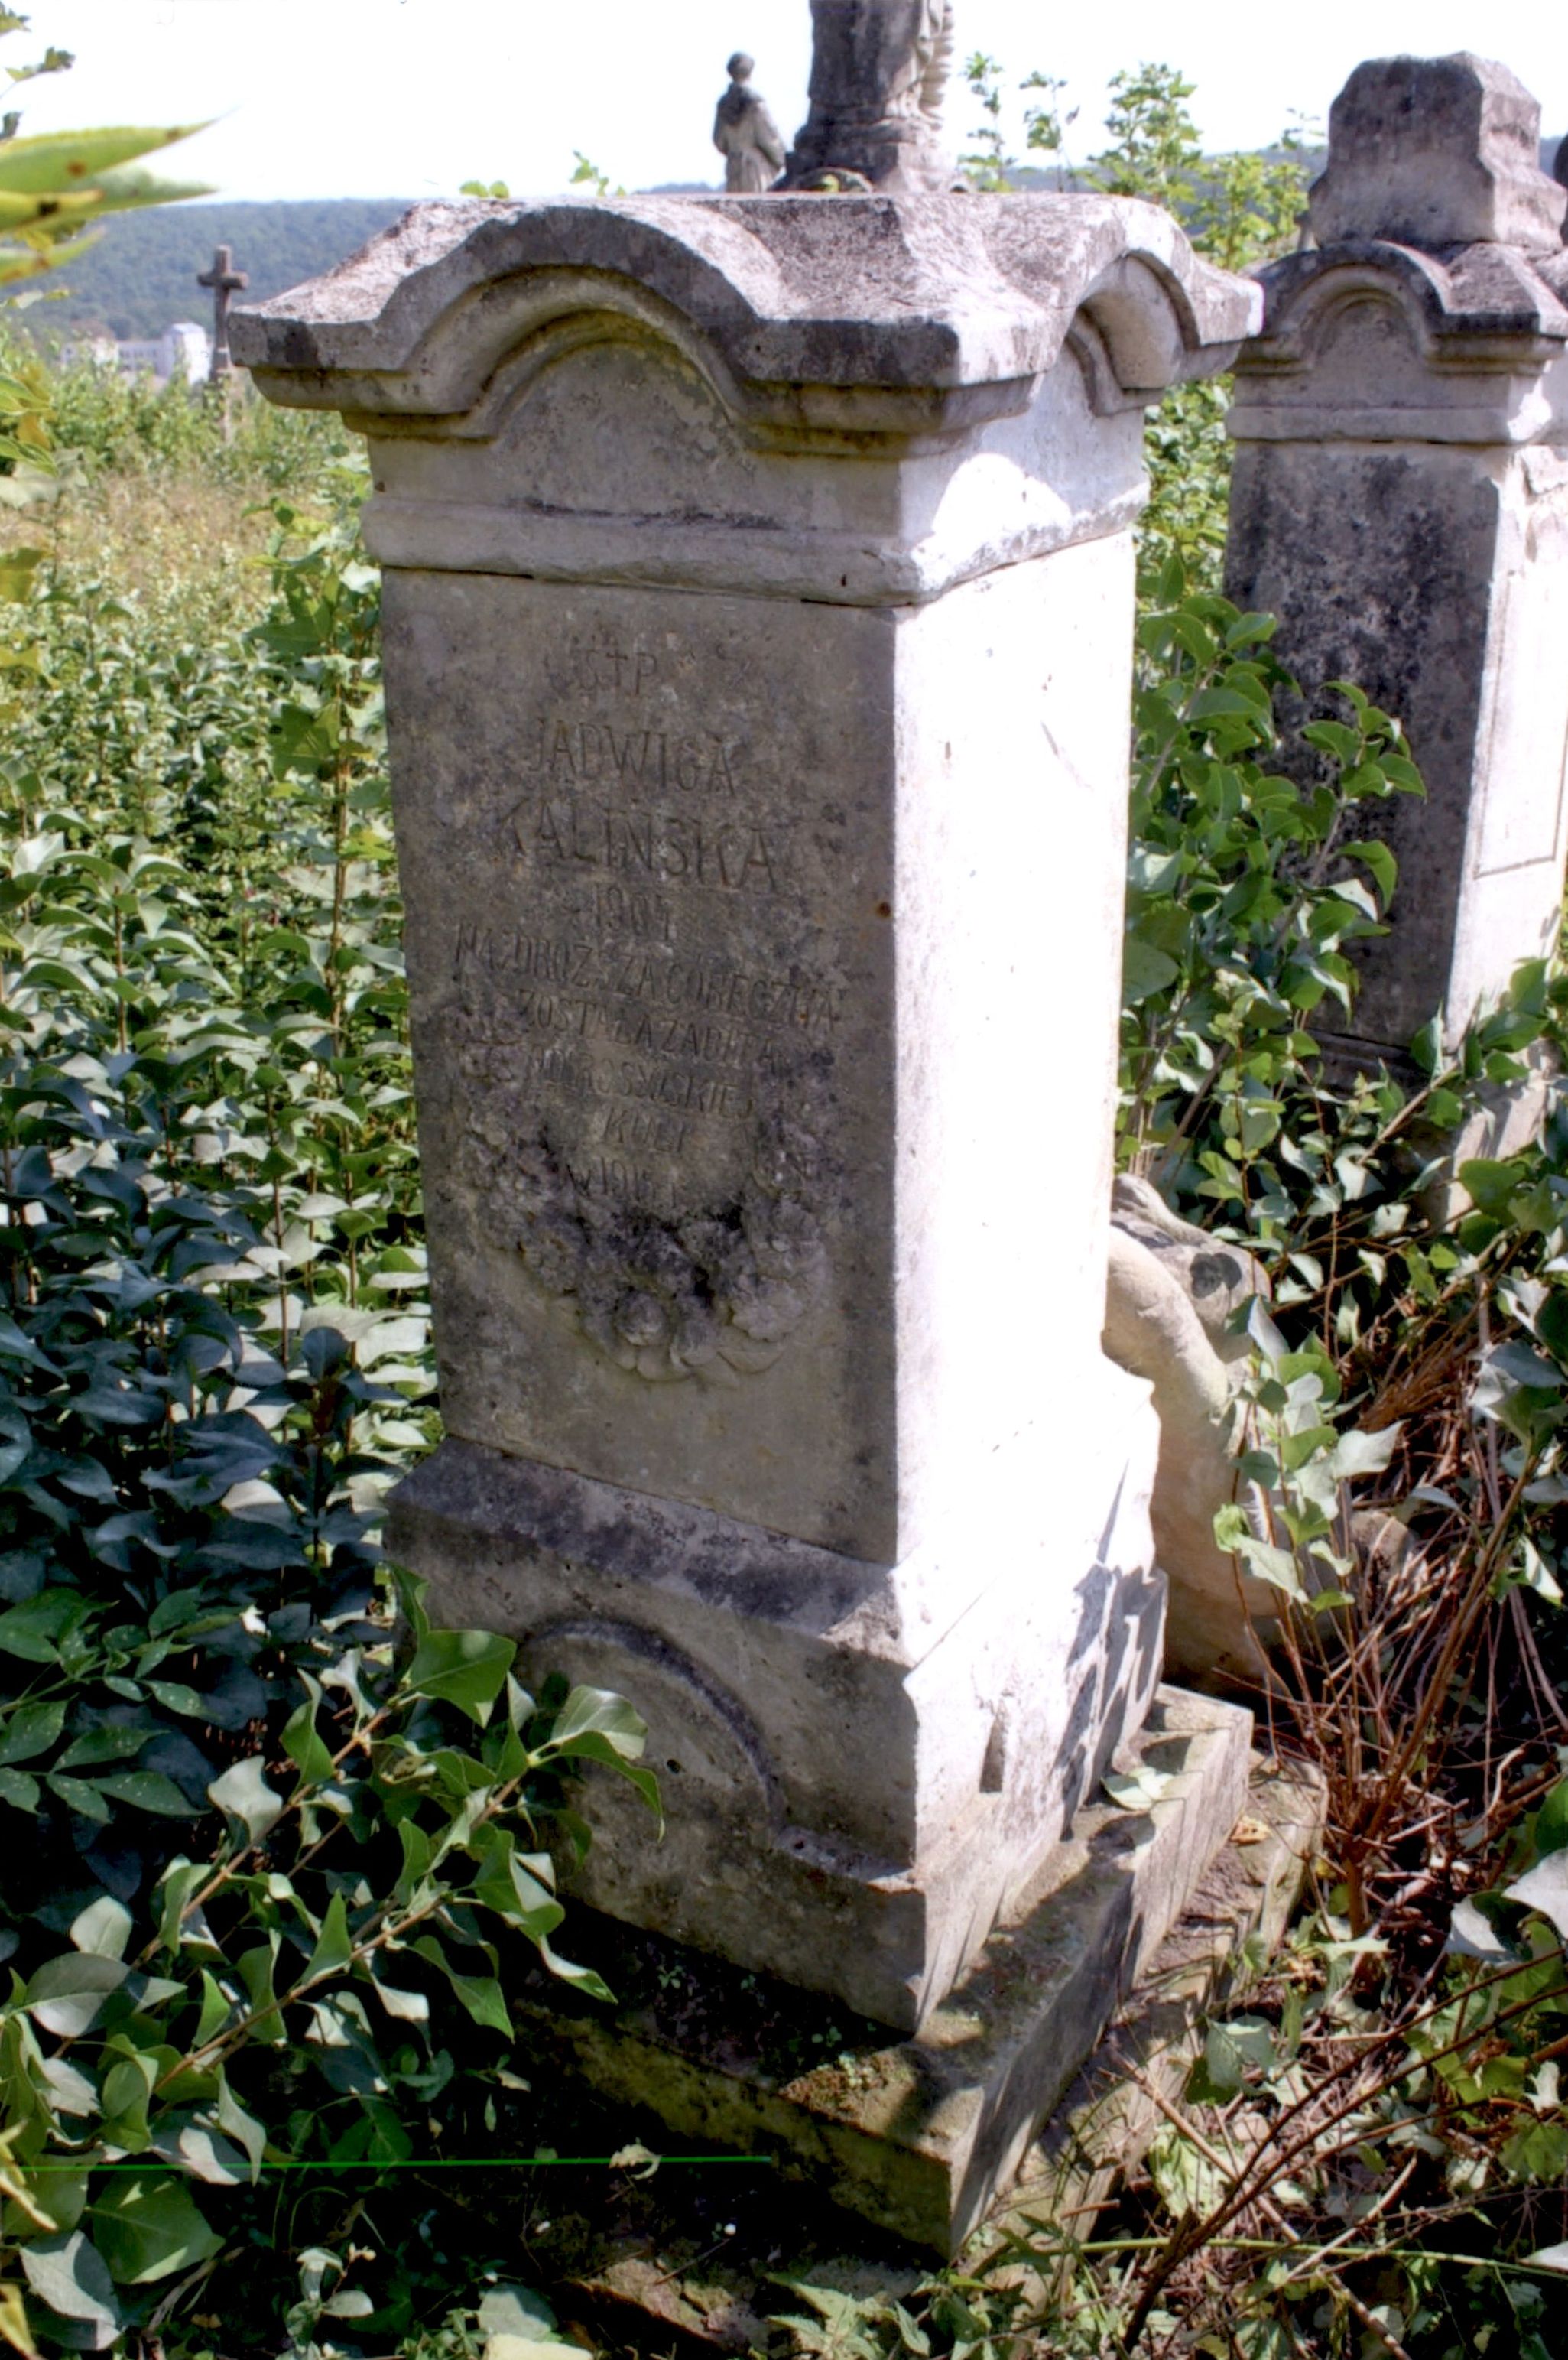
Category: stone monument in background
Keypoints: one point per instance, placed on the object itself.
(758, 609)
(745, 134)
(225, 282)
(1401, 503)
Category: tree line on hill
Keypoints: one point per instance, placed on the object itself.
(142, 272)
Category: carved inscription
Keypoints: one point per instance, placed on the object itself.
(642, 1046)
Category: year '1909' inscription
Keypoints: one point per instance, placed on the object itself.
(642, 1046)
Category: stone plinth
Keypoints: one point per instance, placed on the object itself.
(1401, 503)
(918, 2135)
(758, 586)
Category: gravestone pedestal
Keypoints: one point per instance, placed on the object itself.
(1401, 503)
(758, 621)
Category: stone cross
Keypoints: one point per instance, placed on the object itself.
(1399, 502)
(879, 71)
(758, 622)
(224, 280)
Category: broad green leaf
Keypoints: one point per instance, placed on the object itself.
(107, 1743)
(181, 1880)
(1380, 861)
(1356, 1454)
(70, 2274)
(1232, 1531)
(59, 161)
(216, 2010)
(148, 2228)
(467, 1668)
(1145, 970)
(255, 1968)
(59, 2194)
(1544, 1888)
(208, 2156)
(599, 1713)
(353, 2303)
(103, 1928)
(480, 1995)
(244, 1793)
(28, 1729)
(1278, 1566)
(126, 190)
(35, 1629)
(335, 1944)
(1549, 1830)
(408, 2006)
(1491, 1185)
(149, 1791)
(584, 1979)
(68, 1994)
(305, 1748)
(241, 2126)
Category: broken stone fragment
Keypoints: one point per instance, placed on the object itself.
(1171, 1295)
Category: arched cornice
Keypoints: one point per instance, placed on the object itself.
(821, 317)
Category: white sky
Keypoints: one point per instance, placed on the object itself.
(375, 98)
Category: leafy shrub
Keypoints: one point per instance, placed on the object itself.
(258, 1845)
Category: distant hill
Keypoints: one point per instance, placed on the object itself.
(142, 273)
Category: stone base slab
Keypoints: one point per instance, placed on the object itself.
(701, 2264)
(916, 2135)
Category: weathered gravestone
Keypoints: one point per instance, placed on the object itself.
(1401, 503)
(757, 614)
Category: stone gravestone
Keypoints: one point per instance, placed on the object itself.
(758, 583)
(1401, 503)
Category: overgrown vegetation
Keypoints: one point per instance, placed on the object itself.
(262, 1853)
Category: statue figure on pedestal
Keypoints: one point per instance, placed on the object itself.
(745, 134)
(879, 71)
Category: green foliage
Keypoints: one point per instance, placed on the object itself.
(263, 1853)
(54, 187)
(355, 1877)
(987, 165)
(587, 174)
(1155, 151)
(103, 421)
(1245, 890)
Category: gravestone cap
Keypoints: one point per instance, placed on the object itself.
(1437, 152)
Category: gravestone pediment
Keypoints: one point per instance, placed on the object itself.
(900, 311)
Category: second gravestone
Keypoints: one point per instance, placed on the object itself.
(758, 622)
